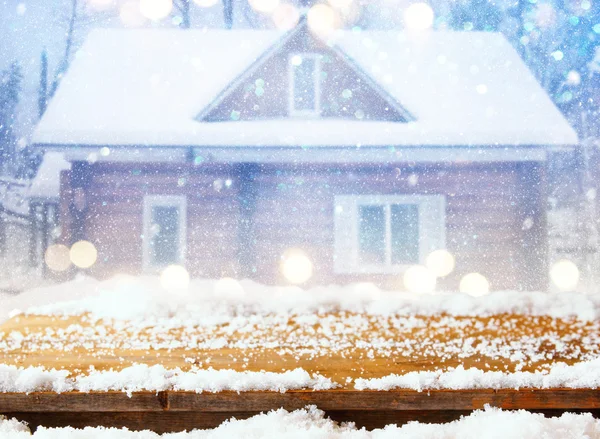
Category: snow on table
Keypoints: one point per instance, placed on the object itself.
(312, 423)
(129, 334)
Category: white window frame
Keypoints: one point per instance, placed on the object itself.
(432, 230)
(151, 201)
(317, 82)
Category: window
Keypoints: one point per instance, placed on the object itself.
(164, 230)
(305, 72)
(386, 233)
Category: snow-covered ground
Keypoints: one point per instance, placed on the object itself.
(311, 423)
(145, 298)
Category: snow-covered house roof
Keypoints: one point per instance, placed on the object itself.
(146, 87)
(46, 184)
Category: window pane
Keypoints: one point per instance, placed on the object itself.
(405, 233)
(371, 245)
(305, 94)
(165, 239)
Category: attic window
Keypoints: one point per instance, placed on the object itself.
(305, 87)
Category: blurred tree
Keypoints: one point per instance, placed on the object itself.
(43, 88)
(79, 15)
(228, 13)
(183, 6)
(481, 15)
(10, 87)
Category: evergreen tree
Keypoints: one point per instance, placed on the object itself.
(10, 87)
(43, 90)
(228, 13)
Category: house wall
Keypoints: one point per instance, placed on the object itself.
(113, 217)
(495, 216)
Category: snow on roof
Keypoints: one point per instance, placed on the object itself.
(46, 183)
(145, 87)
(13, 196)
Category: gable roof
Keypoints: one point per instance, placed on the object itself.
(302, 36)
(145, 87)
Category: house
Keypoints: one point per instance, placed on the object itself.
(29, 223)
(43, 200)
(222, 150)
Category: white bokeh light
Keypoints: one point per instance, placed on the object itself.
(564, 275)
(296, 266)
(322, 19)
(57, 257)
(156, 9)
(206, 3)
(440, 262)
(83, 254)
(475, 284)
(418, 279)
(418, 17)
(285, 16)
(175, 277)
(264, 6)
(130, 14)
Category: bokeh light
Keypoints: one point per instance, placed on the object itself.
(322, 19)
(83, 254)
(130, 14)
(573, 78)
(175, 277)
(418, 279)
(285, 16)
(296, 266)
(474, 284)
(418, 17)
(564, 275)
(206, 3)
(440, 262)
(57, 257)
(264, 6)
(545, 15)
(156, 9)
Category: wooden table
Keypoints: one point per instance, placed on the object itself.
(75, 343)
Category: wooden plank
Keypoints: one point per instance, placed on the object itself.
(366, 400)
(433, 341)
(166, 422)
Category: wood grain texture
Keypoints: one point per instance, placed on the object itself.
(166, 422)
(486, 207)
(258, 401)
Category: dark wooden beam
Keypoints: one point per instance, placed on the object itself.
(176, 411)
(178, 401)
